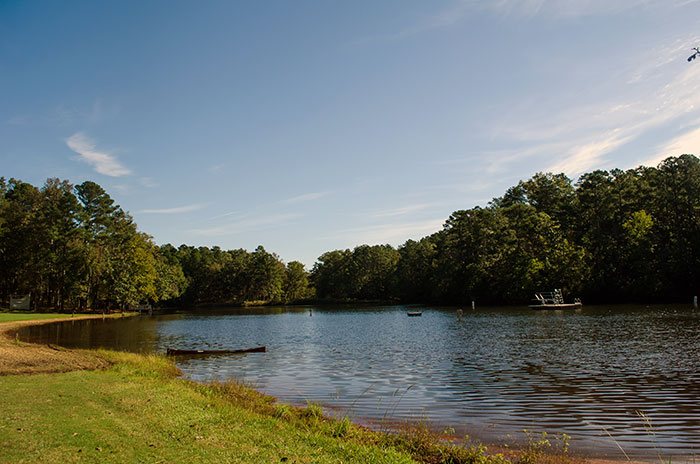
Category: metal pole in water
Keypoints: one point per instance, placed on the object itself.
(695, 302)
(311, 312)
(459, 314)
(473, 305)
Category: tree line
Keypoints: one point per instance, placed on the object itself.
(613, 236)
(72, 247)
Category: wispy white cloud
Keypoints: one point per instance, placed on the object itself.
(394, 234)
(579, 138)
(148, 182)
(499, 161)
(459, 10)
(583, 158)
(177, 210)
(688, 143)
(123, 189)
(305, 197)
(402, 211)
(19, 120)
(103, 162)
(98, 111)
(217, 168)
(240, 215)
(563, 9)
(245, 225)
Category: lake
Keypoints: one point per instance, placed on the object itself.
(609, 376)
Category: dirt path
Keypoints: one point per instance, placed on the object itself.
(17, 357)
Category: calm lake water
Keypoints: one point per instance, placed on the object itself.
(594, 373)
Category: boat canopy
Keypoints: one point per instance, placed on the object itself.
(555, 297)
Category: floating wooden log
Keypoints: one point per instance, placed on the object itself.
(414, 313)
(175, 352)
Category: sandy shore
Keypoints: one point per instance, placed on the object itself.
(18, 357)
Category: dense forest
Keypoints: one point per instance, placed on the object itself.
(614, 236)
(73, 248)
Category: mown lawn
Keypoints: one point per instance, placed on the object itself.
(136, 408)
(138, 411)
(11, 317)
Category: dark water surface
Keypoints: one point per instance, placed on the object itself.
(606, 375)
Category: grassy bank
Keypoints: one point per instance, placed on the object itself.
(137, 410)
(18, 357)
(11, 317)
(105, 406)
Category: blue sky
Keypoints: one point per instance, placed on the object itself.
(308, 126)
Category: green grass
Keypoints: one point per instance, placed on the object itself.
(140, 411)
(11, 317)
(137, 411)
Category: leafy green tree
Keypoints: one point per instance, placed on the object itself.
(373, 271)
(415, 269)
(296, 282)
(675, 185)
(467, 248)
(132, 270)
(332, 274)
(535, 254)
(549, 193)
(22, 240)
(266, 273)
(100, 225)
(65, 266)
(235, 275)
(170, 281)
(607, 204)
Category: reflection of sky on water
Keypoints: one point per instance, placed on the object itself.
(495, 372)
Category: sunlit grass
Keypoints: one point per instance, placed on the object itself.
(139, 411)
(12, 317)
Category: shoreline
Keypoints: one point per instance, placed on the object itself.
(23, 358)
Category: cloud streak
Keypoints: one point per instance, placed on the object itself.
(688, 143)
(401, 211)
(103, 162)
(305, 197)
(388, 233)
(177, 210)
(460, 10)
(564, 9)
(245, 225)
(582, 137)
(148, 182)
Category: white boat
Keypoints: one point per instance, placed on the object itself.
(553, 300)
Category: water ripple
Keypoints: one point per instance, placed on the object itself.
(588, 373)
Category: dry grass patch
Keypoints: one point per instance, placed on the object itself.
(18, 357)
